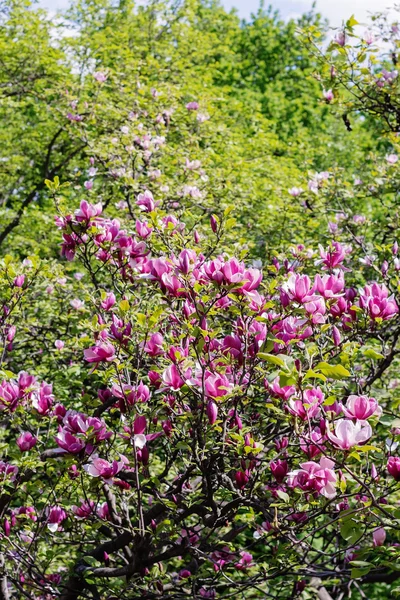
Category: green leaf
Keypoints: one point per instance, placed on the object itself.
(271, 358)
(371, 353)
(332, 371)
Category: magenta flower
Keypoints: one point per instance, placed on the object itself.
(192, 106)
(55, 516)
(43, 398)
(98, 467)
(379, 536)
(297, 289)
(59, 344)
(313, 477)
(70, 443)
(172, 379)
(87, 211)
(85, 510)
(245, 561)
(334, 256)
(26, 441)
(101, 352)
(154, 346)
(279, 469)
(146, 201)
(376, 301)
(9, 395)
(393, 467)
(361, 408)
(19, 281)
(284, 392)
(348, 434)
(8, 471)
(108, 301)
(212, 412)
(328, 95)
(216, 385)
(329, 286)
(309, 406)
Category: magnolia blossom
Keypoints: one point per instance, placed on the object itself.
(216, 386)
(361, 408)
(55, 516)
(313, 477)
(348, 434)
(393, 467)
(376, 301)
(88, 211)
(98, 467)
(26, 441)
(102, 352)
(379, 536)
(328, 95)
(309, 406)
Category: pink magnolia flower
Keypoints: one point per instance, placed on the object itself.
(284, 392)
(279, 469)
(376, 301)
(329, 286)
(212, 412)
(336, 336)
(146, 201)
(392, 159)
(55, 516)
(77, 304)
(192, 106)
(87, 211)
(297, 288)
(100, 76)
(328, 95)
(172, 379)
(59, 344)
(26, 441)
(309, 406)
(361, 408)
(85, 510)
(245, 561)
(43, 398)
(69, 442)
(8, 471)
(216, 385)
(313, 477)
(241, 478)
(154, 346)
(102, 352)
(9, 395)
(340, 38)
(98, 467)
(348, 434)
(19, 281)
(108, 301)
(333, 257)
(295, 191)
(393, 467)
(379, 536)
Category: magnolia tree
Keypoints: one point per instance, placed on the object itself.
(236, 430)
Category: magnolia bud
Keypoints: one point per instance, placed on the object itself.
(336, 336)
(213, 223)
(212, 412)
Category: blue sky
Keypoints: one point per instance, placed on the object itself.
(335, 10)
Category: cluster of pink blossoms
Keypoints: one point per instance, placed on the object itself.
(219, 372)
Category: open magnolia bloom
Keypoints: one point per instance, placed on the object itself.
(348, 434)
